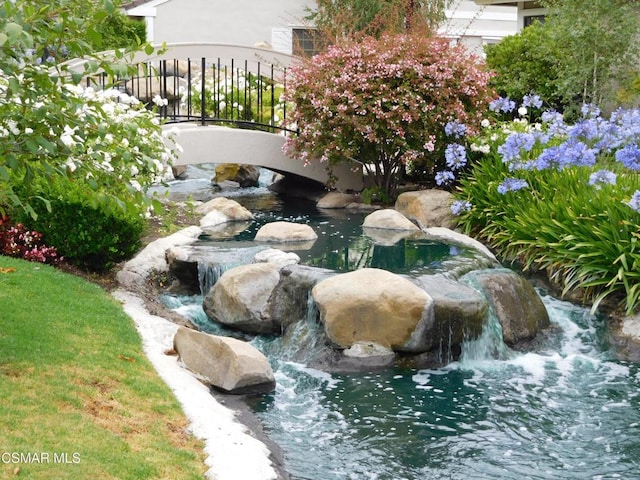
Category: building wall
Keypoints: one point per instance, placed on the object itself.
(270, 22)
(476, 25)
(240, 22)
(526, 9)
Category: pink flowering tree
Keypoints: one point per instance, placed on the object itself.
(384, 104)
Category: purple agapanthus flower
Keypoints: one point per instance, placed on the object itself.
(532, 100)
(502, 104)
(455, 129)
(587, 129)
(571, 153)
(460, 206)
(554, 122)
(513, 146)
(629, 156)
(602, 177)
(590, 110)
(444, 177)
(635, 201)
(511, 185)
(456, 156)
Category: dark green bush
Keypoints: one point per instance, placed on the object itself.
(525, 63)
(89, 229)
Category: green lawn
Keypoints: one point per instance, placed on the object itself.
(78, 397)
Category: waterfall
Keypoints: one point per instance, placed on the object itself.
(208, 275)
(488, 346)
(304, 340)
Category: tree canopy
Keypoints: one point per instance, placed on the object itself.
(339, 19)
(584, 52)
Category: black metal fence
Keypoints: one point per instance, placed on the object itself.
(240, 94)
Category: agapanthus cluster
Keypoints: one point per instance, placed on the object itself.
(553, 144)
(511, 184)
(502, 104)
(532, 101)
(460, 206)
(602, 177)
(16, 241)
(635, 201)
(455, 129)
(629, 156)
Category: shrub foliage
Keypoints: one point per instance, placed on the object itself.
(384, 104)
(564, 199)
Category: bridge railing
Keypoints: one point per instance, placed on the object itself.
(211, 84)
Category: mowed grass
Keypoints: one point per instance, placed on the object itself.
(78, 397)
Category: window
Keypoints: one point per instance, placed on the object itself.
(529, 19)
(306, 42)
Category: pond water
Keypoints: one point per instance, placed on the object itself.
(566, 410)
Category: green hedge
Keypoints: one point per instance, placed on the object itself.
(89, 229)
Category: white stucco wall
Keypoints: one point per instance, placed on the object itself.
(269, 22)
(240, 22)
(477, 25)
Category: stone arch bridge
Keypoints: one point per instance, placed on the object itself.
(225, 101)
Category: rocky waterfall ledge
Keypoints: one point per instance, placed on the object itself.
(456, 309)
(370, 317)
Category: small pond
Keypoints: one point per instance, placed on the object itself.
(565, 410)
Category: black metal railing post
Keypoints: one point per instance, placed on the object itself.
(203, 114)
(273, 101)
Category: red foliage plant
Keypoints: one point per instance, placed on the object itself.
(17, 241)
(384, 102)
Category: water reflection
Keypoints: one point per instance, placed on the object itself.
(342, 245)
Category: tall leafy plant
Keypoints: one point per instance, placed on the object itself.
(340, 19)
(51, 127)
(599, 47)
(384, 104)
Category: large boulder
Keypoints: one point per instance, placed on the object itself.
(244, 175)
(450, 236)
(388, 219)
(460, 311)
(223, 218)
(388, 227)
(372, 305)
(625, 335)
(196, 268)
(225, 363)
(430, 208)
(336, 200)
(240, 297)
(230, 209)
(276, 256)
(515, 302)
(136, 272)
(286, 232)
(289, 302)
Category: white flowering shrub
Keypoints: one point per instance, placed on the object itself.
(57, 137)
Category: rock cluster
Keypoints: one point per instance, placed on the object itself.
(372, 317)
(368, 318)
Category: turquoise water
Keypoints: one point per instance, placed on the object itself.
(565, 410)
